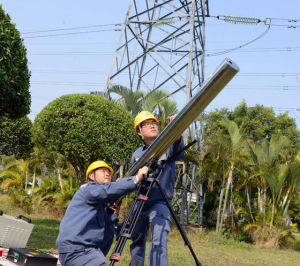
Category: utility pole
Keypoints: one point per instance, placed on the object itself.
(162, 46)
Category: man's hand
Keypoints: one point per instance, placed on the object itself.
(142, 173)
(115, 207)
(170, 118)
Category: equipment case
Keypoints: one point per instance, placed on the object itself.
(14, 232)
(30, 257)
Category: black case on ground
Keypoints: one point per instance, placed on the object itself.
(30, 257)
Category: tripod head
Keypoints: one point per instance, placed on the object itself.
(154, 169)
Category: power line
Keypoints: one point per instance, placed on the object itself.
(240, 46)
(289, 26)
(284, 88)
(55, 71)
(287, 19)
(279, 88)
(232, 87)
(68, 83)
(69, 43)
(269, 86)
(258, 50)
(86, 72)
(279, 49)
(72, 53)
(71, 33)
(271, 74)
(234, 19)
(274, 107)
(283, 25)
(73, 28)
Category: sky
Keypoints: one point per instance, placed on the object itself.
(78, 61)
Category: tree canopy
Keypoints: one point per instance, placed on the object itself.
(14, 74)
(85, 128)
(257, 122)
(15, 136)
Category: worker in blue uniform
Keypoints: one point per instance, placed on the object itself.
(86, 232)
(155, 213)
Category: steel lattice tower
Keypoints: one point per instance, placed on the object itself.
(162, 46)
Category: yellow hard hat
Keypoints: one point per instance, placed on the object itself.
(97, 164)
(142, 116)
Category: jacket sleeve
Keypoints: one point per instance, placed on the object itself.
(174, 149)
(132, 161)
(109, 192)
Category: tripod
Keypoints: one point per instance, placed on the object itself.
(137, 206)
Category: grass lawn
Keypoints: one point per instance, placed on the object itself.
(209, 248)
(212, 250)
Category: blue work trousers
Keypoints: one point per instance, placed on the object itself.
(157, 217)
(90, 257)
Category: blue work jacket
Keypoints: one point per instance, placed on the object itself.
(88, 222)
(167, 174)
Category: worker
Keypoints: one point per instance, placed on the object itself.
(86, 232)
(155, 213)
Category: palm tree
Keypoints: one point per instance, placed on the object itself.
(248, 182)
(14, 172)
(293, 183)
(209, 169)
(156, 102)
(213, 166)
(275, 180)
(266, 157)
(14, 175)
(70, 172)
(235, 146)
(130, 100)
(35, 162)
(58, 162)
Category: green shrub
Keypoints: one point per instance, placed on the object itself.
(85, 128)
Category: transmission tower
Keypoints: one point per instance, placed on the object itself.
(162, 46)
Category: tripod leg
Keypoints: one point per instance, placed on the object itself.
(131, 220)
(126, 230)
(186, 241)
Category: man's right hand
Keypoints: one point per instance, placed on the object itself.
(142, 173)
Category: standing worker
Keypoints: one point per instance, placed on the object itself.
(86, 232)
(155, 213)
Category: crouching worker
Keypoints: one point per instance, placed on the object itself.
(86, 232)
